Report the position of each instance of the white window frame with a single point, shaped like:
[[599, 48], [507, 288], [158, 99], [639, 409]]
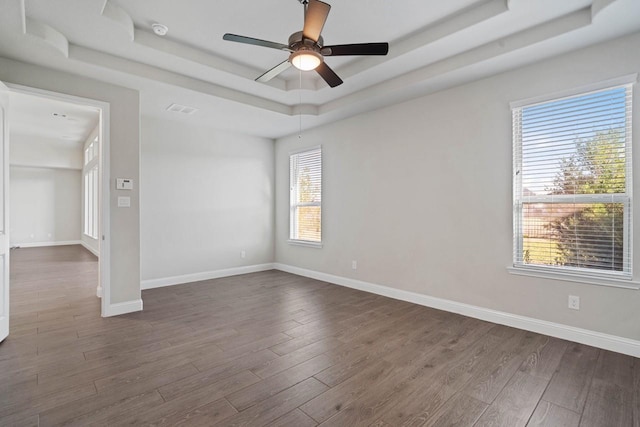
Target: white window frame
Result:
[[293, 197], [622, 279], [91, 188]]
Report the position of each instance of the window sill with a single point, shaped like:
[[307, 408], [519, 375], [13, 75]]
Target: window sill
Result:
[[306, 243], [573, 277]]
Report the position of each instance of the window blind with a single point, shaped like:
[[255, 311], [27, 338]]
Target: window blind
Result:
[[572, 183], [306, 195]]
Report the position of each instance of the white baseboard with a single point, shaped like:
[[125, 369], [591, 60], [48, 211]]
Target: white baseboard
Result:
[[43, 244], [89, 248], [583, 336], [206, 275], [123, 308]]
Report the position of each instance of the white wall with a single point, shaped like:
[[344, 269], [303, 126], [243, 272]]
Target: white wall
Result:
[[420, 195], [44, 206], [124, 142], [206, 196], [45, 191]]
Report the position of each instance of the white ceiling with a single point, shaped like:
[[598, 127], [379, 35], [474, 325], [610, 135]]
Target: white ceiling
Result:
[[434, 44], [51, 121]]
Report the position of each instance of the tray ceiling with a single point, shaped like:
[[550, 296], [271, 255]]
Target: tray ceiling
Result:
[[433, 45]]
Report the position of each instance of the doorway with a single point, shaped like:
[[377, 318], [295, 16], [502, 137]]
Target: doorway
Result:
[[59, 155]]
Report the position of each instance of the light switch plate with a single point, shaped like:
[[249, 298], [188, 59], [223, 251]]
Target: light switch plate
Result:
[[124, 202]]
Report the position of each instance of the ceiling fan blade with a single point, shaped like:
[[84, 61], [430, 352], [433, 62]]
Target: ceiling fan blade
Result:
[[356, 49], [274, 71], [314, 19], [328, 75], [255, 42]]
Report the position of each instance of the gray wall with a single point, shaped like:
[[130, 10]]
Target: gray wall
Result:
[[124, 161], [206, 195], [45, 205], [45, 191], [420, 195]]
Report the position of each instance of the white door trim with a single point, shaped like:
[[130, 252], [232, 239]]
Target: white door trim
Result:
[[4, 210], [104, 287]]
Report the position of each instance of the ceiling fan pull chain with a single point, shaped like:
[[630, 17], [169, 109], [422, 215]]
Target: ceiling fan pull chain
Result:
[[300, 106]]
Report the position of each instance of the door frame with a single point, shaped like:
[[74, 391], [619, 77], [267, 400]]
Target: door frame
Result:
[[5, 314], [104, 260]]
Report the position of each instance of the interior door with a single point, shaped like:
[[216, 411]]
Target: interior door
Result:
[[4, 211]]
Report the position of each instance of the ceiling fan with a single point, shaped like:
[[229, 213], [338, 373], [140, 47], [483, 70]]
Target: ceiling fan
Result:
[[307, 46]]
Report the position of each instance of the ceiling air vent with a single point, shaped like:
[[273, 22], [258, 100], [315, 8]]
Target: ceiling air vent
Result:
[[177, 108]]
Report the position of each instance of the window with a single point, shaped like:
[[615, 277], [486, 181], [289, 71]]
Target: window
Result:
[[91, 152], [305, 171], [572, 184], [90, 173]]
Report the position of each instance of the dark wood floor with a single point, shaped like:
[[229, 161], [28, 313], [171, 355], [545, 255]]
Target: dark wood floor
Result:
[[281, 350]]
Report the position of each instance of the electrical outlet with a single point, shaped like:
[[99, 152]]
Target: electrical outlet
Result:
[[354, 265], [243, 254], [574, 302]]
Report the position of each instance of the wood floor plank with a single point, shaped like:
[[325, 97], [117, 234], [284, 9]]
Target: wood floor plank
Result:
[[608, 405], [487, 384], [400, 382], [212, 375], [331, 402], [207, 415], [37, 402], [636, 393], [542, 362], [170, 412], [96, 410], [550, 415], [264, 389], [25, 418], [351, 360], [460, 410], [429, 395], [463, 331], [419, 406], [296, 357], [570, 384], [145, 382], [295, 418], [516, 402], [229, 352], [615, 368], [276, 406]]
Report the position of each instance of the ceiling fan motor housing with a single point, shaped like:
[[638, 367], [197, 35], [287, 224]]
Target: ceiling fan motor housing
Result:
[[297, 39]]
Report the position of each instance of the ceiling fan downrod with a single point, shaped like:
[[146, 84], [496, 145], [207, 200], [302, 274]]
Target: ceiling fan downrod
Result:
[[305, 4]]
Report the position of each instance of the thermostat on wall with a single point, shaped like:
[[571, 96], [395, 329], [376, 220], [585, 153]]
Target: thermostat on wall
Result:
[[124, 184]]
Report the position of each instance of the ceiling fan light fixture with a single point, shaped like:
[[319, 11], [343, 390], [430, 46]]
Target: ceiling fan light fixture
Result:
[[305, 60]]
